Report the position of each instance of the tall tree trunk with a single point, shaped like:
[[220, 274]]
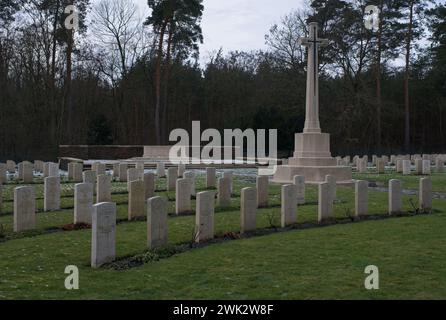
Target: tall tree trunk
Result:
[[158, 83], [166, 86], [378, 82], [406, 80], [67, 92]]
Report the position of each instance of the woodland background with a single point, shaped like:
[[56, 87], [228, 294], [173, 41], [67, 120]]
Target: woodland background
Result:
[[123, 80]]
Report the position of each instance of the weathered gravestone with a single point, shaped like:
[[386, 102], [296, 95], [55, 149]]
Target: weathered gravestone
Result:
[[406, 167], [361, 198], [211, 177], [262, 191], [89, 176], [172, 176], [325, 202], [103, 188], [53, 169], [10, 166], [229, 175], [24, 209], [224, 192], [331, 180], [395, 197], [136, 199], [133, 174], [426, 167], [299, 182], [191, 176], [439, 165], [380, 166], [123, 172], [419, 166], [83, 203], [204, 219], [27, 172], [51, 194], [149, 185], [70, 171], [183, 203], [156, 222], [181, 170], [288, 205], [248, 212], [116, 170], [103, 234], [77, 172], [161, 170]]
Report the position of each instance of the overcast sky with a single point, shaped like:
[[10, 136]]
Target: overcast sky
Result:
[[238, 24]]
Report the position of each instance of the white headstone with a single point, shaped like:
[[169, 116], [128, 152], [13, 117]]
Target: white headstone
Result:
[[103, 235], [325, 203], [191, 176], [183, 203], [331, 180], [89, 176], [262, 183], [123, 172], [248, 209], [172, 176], [103, 188], [230, 176], [395, 197], [288, 205], [24, 209], [181, 170], [160, 170], [149, 185], [116, 170], [211, 177], [53, 169], [299, 182], [134, 174], [361, 198], [83, 203], [51, 194], [439, 165], [136, 199], [204, 219], [10, 165], [406, 167], [27, 175], [224, 192], [156, 222], [77, 172], [426, 167]]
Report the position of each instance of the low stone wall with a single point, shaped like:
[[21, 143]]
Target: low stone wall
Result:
[[86, 152]]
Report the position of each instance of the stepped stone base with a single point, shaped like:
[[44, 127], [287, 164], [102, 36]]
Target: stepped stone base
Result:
[[312, 159]]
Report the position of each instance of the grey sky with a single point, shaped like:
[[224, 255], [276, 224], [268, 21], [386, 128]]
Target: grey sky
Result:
[[239, 24]]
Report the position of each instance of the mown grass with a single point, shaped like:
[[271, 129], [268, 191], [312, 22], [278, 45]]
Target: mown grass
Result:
[[317, 263]]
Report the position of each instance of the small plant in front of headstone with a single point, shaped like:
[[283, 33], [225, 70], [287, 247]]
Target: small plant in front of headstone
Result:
[[347, 212], [415, 207], [272, 220]]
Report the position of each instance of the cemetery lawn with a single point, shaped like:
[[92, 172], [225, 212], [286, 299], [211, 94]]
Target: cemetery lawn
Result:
[[314, 263]]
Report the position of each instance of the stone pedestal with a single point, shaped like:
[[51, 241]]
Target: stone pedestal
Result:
[[312, 159]]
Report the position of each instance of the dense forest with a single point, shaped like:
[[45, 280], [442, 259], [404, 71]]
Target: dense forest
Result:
[[119, 78]]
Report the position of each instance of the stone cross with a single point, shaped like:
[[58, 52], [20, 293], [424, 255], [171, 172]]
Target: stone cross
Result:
[[313, 43]]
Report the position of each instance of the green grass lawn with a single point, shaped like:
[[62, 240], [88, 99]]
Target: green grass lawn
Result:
[[314, 263]]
